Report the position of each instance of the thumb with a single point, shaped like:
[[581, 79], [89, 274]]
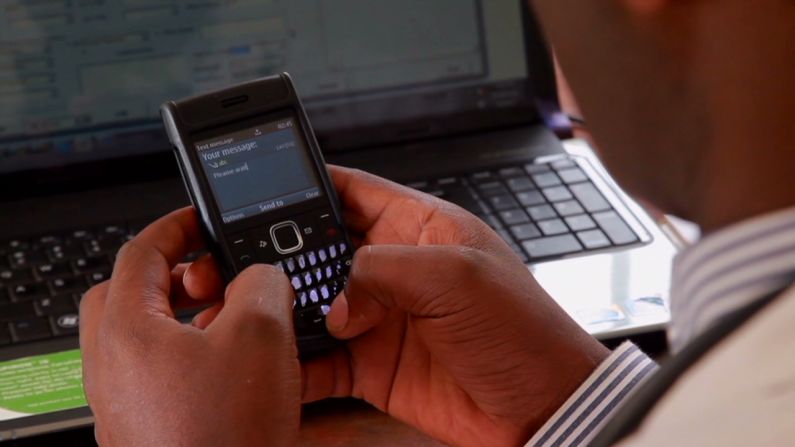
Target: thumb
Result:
[[416, 280], [258, 310]]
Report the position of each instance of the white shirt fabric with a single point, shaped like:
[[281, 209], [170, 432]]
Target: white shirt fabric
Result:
[[724, 272]]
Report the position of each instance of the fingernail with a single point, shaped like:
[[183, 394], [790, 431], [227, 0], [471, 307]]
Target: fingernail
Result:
[[337, 318]]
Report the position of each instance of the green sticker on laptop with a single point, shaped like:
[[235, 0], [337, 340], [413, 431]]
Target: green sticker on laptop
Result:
[[41, 384]]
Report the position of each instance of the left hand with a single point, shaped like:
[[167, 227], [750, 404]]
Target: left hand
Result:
[[151, 380]]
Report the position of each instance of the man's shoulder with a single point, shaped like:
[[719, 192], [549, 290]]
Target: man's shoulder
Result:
[[740, 393]]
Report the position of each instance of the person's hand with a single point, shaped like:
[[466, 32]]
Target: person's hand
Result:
[[446, 328], [152, 381]]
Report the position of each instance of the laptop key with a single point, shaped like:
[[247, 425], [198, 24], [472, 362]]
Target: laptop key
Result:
[[557, 193], [514, 217], [568, 208], [9, 276], [479, 177], [56, 305], [534, 168], [581, 222], [618, 231], [30, 291], [113, 231], [511, 172], [26, 258], [574, 175], [552, 246], [519, 184], [531, 198], [95, 278], [4, 295], [91, 263], [524, 232], [53, 270], [502, 203], [57, 253], [65, 324], [16, 311], [96, 247], [546, 179], [80, 235], [541, 212], [564, 164], [489, 189], [590, 197], [553, 227], [49, 239], [462, 197], [30, 329], [68, 285], [14, 245], [593, 239]]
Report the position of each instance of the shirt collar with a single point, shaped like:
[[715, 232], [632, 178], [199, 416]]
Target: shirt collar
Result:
[[729, 270]]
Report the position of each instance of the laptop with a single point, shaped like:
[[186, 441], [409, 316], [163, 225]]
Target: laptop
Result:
[[451, 97]]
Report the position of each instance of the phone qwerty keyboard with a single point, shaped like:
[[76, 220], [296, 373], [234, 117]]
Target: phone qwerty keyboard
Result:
[[318, 276], [542, 210]]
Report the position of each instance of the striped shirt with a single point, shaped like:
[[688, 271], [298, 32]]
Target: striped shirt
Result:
[[724, 272]]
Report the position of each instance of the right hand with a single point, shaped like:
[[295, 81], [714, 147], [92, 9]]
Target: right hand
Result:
[[446, 328]]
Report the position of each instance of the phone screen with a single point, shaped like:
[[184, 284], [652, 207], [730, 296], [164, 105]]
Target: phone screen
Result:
[[258, 169]]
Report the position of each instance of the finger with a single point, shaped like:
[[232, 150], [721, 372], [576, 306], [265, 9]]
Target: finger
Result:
[[416, 280], [92, 308], [179, 297], [365, 196], [327, 376], [202, 280], [207, 316], [174, 235], [258, 311], [141, 281]]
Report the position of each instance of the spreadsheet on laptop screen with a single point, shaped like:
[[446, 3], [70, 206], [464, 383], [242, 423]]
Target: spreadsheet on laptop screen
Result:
[[74, 75]]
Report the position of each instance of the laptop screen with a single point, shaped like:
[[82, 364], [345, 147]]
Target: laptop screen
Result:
[[82, 81]]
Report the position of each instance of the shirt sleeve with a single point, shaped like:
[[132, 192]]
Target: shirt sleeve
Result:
[[590, 407]]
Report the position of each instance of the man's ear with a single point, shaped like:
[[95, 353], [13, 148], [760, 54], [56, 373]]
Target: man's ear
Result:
[[645, 7]]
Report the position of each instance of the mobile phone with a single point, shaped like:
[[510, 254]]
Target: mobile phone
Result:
[[254, 171]]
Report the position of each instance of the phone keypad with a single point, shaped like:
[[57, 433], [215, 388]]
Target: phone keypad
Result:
[[318, 276]]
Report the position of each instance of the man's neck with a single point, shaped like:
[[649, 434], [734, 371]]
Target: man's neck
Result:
[[749, 173]]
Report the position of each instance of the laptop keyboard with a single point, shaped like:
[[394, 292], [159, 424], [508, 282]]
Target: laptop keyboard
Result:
[[43, 278], [542, 210]]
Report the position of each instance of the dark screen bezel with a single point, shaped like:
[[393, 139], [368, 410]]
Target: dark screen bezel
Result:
[[540, 82]]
